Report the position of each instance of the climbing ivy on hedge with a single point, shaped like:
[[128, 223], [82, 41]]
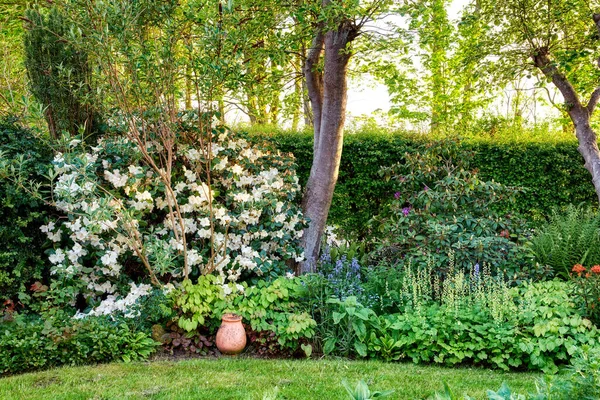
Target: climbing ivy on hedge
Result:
[[551, 172]]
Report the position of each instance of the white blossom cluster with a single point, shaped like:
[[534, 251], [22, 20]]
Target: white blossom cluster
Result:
[[330, 235], [124, 305], [243, 219]]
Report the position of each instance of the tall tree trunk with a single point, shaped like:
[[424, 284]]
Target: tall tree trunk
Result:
[[296, 104], [588, 145], [314, 87], [188, 87], [308, 115], [328, 99], [579, 113], [298, 96], [252, 109], [437, 63]]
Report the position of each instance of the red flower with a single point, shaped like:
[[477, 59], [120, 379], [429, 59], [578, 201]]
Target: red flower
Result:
[[578, 269], [596, 269]]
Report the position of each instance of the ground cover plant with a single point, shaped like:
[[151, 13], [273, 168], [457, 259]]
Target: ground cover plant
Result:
[[474, 318], [33, 342]]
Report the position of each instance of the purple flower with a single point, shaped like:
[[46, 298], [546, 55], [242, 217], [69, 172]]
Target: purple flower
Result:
[[355, 266], [406, 211], [426, 188], [325, 256], [476, 272], [397, 195]]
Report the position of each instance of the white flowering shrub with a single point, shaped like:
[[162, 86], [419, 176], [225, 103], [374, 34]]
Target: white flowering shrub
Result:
[[235, 199], [125, 304]]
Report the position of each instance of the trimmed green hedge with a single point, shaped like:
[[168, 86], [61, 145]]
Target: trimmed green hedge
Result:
[[22, 259], [552, 173]]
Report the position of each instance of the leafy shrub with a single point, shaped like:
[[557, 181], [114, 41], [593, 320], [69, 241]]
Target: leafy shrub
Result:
[[29, 343], [572, 236], [266, 307], [23, 156], [441, 204]]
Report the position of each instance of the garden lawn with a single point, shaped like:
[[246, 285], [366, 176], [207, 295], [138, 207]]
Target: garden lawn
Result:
[[243, 378]]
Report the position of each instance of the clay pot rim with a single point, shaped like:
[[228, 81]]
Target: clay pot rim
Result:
[[231, 317]]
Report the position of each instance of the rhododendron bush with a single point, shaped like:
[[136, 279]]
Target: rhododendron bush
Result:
[[228, 209]]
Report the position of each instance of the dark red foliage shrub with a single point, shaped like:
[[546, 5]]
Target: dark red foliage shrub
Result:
[[198, 342]]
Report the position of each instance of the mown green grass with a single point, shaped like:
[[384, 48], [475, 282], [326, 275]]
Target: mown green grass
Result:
[[228, 378]]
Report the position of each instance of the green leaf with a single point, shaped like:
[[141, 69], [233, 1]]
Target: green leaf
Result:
[[361, 348], [360, 329], [329, 345], [307, 348], [337, 317]]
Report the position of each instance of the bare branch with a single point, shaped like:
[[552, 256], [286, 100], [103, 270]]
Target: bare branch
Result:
[[593, 100], [543, 62]]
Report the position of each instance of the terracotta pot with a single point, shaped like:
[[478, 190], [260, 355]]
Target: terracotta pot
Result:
[[231, 337]]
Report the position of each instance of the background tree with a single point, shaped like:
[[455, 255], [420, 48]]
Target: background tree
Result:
[[431, 66], [335, 26], [559, 41], [59, 74], [430, 19], [13, 79]]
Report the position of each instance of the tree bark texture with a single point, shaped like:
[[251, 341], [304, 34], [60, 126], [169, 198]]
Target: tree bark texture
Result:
[[327, 92]]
